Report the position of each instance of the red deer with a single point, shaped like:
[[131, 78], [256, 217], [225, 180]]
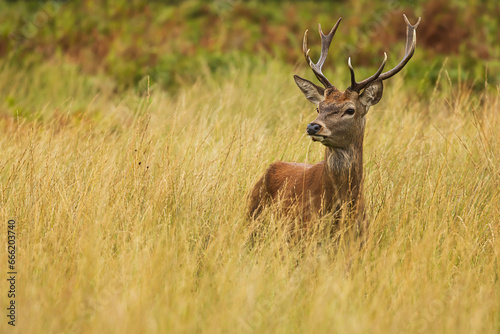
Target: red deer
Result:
[[336, 183]]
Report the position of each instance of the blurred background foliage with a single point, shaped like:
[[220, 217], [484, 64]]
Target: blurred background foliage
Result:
[[170, 43]]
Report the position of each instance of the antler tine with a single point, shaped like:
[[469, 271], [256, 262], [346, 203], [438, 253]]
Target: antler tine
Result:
[[411, 43], [326, 40], [358, 86]]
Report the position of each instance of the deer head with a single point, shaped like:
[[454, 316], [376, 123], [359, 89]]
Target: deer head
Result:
[[341, 115]]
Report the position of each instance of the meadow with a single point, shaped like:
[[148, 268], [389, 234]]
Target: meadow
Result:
[[130, 202]]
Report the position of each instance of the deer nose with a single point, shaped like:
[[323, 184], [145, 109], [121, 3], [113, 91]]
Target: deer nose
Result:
[[313, 128]]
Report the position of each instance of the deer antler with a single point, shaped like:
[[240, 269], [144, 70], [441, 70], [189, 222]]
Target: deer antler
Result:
[[325, 45], [411, 43]]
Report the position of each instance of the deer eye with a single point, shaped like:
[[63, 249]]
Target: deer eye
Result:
[[317, 110], [349, 112]]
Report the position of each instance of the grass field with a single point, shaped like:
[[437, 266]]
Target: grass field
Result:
[[130, 208]]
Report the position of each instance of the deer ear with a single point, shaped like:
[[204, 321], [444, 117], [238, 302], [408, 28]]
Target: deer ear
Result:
[[372, 93], [313, 93]]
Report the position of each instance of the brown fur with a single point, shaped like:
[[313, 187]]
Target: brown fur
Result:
[[310, 191]]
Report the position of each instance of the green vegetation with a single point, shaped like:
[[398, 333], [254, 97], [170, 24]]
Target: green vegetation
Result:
[[132, 134], [128, 40]]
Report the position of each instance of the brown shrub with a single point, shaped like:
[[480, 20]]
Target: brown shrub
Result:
[[442, 32]]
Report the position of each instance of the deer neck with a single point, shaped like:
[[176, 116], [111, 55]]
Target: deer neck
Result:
[[343, 172]]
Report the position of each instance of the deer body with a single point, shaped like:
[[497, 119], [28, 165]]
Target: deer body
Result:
[[336, 183], [312, 190]]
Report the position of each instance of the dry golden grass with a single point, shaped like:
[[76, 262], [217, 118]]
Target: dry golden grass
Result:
[[131, 212]]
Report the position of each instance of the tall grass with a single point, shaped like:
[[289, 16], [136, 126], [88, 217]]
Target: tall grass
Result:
[[131, 209]]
